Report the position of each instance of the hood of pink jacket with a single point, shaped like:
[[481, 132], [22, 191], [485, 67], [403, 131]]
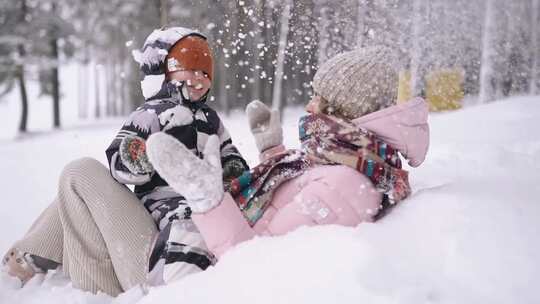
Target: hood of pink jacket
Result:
[[404, 126]]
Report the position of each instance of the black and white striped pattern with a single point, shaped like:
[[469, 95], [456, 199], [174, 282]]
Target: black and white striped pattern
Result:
[[191, 123], [180, 246]]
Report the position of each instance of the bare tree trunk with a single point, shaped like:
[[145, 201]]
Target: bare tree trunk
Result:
[[486, 69], [533, 85], [164, 12], [232, 75], [135, 96], [97, 97], [224, 76], [324, 41], [24, 96], [21, 79], [114, 93], [243, 57], [312, 62], [361, 22], [110, 86], [282, 47], [123, 86], [416, 53], [118, 79], [55, 75], [107, 87], [56, 88], [82, 89], [510, 33], [258, 63], [221, 82], [270, 52]]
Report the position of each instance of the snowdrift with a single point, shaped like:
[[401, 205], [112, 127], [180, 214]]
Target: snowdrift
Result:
[[468, 234]]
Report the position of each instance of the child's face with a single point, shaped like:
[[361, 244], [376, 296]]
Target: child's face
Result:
[[197, 82]]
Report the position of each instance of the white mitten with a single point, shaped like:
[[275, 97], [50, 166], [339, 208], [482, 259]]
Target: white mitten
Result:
[[265, 125], [198, 180]]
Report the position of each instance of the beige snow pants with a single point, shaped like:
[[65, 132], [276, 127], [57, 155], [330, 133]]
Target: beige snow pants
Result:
[[96, 228]]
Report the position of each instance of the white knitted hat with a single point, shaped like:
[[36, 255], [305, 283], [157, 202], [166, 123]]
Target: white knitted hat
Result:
[[358, 82]]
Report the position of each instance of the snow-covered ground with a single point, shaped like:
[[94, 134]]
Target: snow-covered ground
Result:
[[468, 234]]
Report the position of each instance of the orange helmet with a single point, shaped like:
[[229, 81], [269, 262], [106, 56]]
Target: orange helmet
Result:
[[190, 53]]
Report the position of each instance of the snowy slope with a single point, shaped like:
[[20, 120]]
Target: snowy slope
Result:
[[469, 233]]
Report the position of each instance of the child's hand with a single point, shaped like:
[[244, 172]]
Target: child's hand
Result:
[[232, 169], [133, 155]]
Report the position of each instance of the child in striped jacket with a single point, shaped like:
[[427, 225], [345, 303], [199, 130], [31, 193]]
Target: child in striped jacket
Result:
[[177, 64]]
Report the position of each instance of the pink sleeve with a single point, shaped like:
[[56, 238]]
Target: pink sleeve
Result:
[[223, 227], [266, 154]]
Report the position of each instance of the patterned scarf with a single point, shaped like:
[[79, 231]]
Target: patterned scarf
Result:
[[327, 141]]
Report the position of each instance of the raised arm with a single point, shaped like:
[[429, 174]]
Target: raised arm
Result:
[[265, 125], [126, 154]]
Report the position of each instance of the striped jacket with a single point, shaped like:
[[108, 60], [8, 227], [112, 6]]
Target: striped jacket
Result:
[[179, 249], [192, 124]]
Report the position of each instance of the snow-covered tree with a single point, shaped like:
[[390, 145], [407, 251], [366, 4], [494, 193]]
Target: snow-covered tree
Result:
[[494, 42], [13, 51]]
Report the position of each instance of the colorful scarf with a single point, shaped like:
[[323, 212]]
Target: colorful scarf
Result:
[[328, 141]]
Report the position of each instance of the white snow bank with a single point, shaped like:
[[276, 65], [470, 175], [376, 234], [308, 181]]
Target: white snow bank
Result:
[[467, 235]]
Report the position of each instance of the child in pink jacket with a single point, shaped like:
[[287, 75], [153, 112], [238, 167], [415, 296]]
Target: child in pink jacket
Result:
[[347, 172]]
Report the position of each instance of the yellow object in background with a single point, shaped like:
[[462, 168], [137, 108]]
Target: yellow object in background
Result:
[[404, 87], [444, 89]]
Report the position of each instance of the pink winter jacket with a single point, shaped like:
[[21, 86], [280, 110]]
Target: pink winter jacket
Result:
[[324, 194]]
